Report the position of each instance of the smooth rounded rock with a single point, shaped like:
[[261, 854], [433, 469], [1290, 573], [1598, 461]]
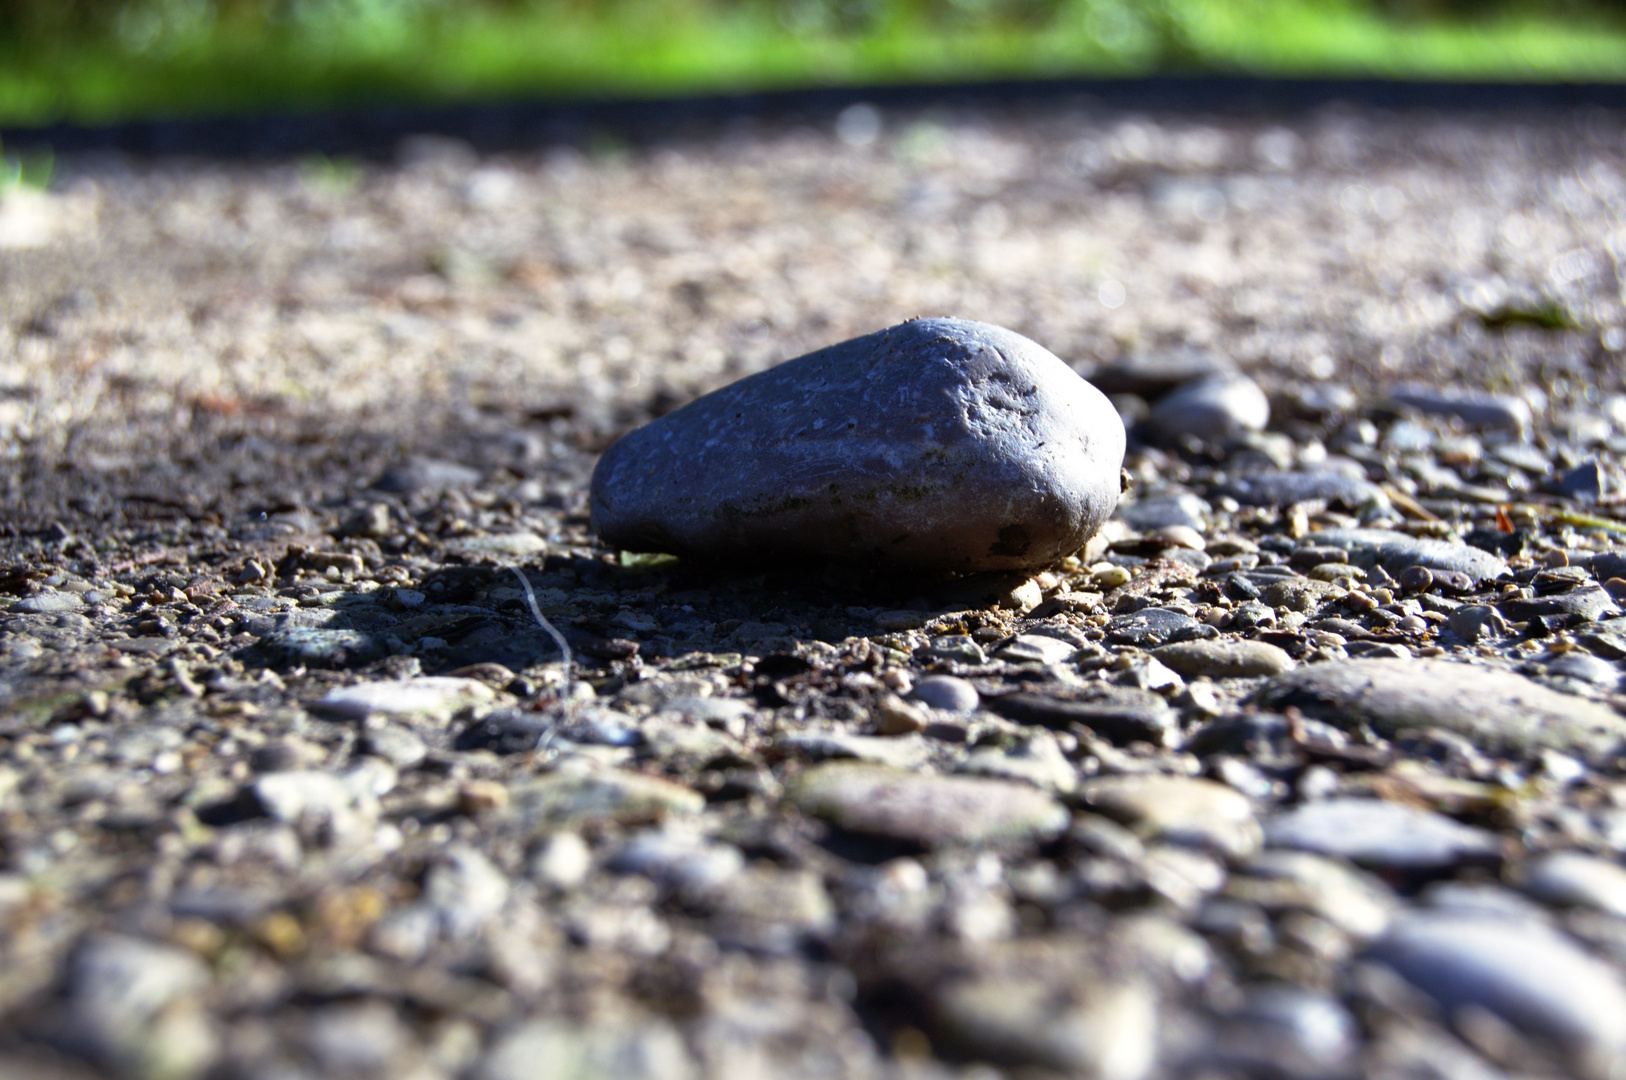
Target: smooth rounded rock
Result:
[[1583, 666], [1382, 834], [1498, 710], [928, 810], [938, 444], [1214, 407], [1528, 976], [1179, 809], [1288, 1031], [1575, 879], [423, 695], [1221, 659], [947, 693]]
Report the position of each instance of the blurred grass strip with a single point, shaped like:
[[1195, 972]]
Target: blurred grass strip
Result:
[[102, 60]]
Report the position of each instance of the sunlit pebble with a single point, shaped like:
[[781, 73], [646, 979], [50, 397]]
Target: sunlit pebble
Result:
[[1416, 579], [1182, 536]]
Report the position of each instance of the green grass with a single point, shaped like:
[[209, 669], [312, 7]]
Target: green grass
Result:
[[345, 52]]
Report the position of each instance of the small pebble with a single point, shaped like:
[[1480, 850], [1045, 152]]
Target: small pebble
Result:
[[1214, 407], [947, 693]]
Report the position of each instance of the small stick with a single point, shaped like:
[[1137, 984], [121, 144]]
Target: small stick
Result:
[[1410, 505]]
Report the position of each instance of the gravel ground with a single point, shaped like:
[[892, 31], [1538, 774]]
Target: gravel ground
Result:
[[293, 784]]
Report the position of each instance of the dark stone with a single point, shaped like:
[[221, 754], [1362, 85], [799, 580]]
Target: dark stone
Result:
[[1121, 715], [937, 444], [1156, 626], [1584, 483], [317, 647], [1152, 375], [1485, 411], [1608, 564], [1586, 604], [1506, 544], [505, 731]]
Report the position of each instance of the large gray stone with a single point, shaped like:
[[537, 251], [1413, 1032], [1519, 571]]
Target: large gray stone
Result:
[[1522, 973], [1498, 710], [938, 444]]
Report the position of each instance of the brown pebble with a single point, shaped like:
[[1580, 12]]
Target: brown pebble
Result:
[[476, 797]]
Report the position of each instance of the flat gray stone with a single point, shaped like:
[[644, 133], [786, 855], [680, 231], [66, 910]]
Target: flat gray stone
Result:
[[49, 603], [607, 795], [320, 647], [1216, 406], [1381, 834], [1395, 551], [1219, 659], [1608, 564], [1485, 411], [1531, 977], [1036, 649], [1575, 879], [939, 443], [1119, 714], [928, 810], [1288, 487], [1179, 809], [722, 712], [1588, 602], [1155, 626], [1475, 621], [1583, 666], [436, 696], [1498, 710]]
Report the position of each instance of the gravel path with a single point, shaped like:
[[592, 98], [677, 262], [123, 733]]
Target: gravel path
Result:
[[293, 785]]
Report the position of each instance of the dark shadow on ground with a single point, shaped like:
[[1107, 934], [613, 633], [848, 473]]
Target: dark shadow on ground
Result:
[[527, 125]]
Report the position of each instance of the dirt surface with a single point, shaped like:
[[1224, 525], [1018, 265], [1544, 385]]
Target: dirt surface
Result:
[[269, 432]]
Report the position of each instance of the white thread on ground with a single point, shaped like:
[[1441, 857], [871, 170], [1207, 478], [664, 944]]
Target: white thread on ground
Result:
[[558, 638]]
